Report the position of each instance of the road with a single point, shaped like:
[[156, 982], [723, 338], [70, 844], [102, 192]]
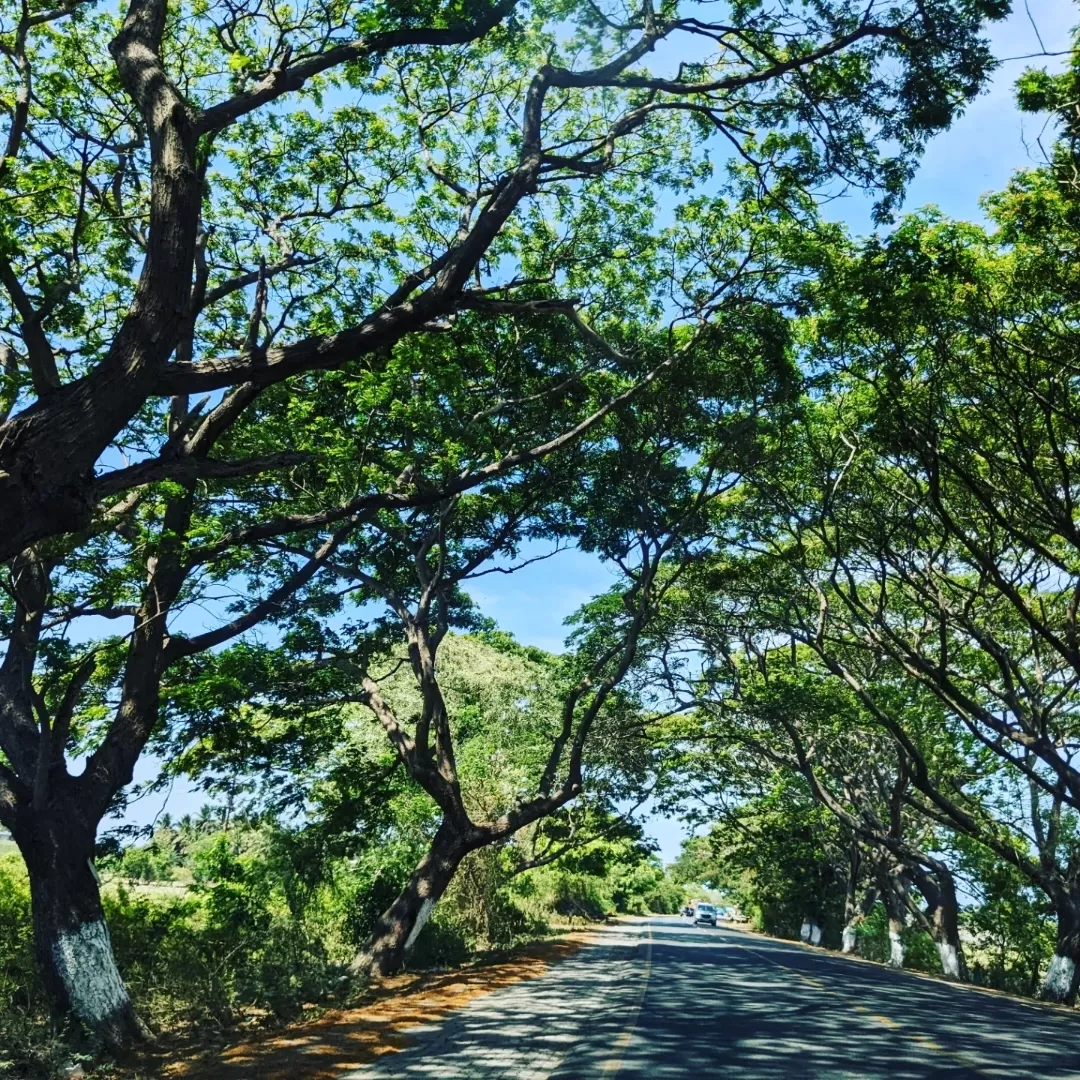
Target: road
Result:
[[659, 998]]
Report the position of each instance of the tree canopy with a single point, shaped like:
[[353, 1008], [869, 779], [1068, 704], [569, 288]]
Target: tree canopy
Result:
[[314, 316]]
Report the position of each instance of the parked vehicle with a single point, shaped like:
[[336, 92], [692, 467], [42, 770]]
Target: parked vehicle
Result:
[[688, 910]]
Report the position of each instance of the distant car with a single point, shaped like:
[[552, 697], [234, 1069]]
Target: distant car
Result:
[[688, 910], [723, 913], [705, 914]]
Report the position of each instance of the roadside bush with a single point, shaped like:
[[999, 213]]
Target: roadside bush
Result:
[[18, 975], [576, 895], [211, 927], [645, 889]]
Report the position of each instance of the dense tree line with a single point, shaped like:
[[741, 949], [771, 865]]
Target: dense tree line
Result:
[[887, 633]]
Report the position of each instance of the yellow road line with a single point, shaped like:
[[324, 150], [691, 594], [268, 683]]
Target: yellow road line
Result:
[[886, 1021], [614, 1063]]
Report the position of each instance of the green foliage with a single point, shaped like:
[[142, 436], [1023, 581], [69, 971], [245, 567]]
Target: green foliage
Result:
[[311, 212], [16, 960], [234, 925], [780, 856], [1011, 923], [920, 953], [232, 940], [619, 875], [28, 1044]]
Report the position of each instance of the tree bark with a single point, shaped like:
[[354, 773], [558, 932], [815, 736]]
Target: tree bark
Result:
[[945, 925], [399, 926], [896, 944], [855, 915], [1060, 981], [893, 896], [71, 941]]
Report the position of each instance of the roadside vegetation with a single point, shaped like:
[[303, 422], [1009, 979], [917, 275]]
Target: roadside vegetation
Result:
[[316, 316], [881, 672], [228, 923]]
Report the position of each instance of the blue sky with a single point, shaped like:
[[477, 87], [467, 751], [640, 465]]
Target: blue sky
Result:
[[976, 156]]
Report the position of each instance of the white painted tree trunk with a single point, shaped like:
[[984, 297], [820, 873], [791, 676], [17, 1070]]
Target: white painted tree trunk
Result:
[[1058, 981], [810, 932], [397, 929], [896, 948], [71, 940], [83, 959], [848, 940], [426, 908], [950, 959]]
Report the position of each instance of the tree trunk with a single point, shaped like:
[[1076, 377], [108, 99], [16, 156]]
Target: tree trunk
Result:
[[856, 914], [399, 926], [811, 931], [893, 896], [946, 925], [71, 941], [896, 944], [849, 940], [1060, 981]]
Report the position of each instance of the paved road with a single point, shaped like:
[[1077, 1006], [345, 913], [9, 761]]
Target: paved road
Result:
[[660, 999]]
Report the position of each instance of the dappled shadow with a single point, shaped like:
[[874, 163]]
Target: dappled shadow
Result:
[[342, 1041], [671, 1001], [740, 1006], [526, 1031]]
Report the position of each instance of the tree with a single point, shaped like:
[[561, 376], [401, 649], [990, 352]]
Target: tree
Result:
[[896, 548], [181, 547], [646, 525], [947, 517], [783, 857], [795, 718]]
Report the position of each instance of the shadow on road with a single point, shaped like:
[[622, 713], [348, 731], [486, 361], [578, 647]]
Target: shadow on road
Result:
[[665, 1000], [733, 1005]]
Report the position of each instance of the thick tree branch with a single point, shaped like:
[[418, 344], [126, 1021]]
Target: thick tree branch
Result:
[[186, 469], [187, 646]]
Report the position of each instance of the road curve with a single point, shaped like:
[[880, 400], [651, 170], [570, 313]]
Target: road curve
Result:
[[660, 999]]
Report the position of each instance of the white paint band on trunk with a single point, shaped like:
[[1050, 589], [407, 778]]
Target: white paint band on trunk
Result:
[[847, 942], [950, 959], [1059, 978], [804, 932], [896, 949], [421, 921], [84, 961], [815, 934]]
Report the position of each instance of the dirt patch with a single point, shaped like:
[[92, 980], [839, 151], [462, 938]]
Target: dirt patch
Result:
[[346, 1039]]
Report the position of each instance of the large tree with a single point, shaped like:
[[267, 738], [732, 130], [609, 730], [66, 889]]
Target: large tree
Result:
[[637, 494], [944, 531]]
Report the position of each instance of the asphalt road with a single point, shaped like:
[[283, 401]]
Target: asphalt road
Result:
[[659, 998]]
